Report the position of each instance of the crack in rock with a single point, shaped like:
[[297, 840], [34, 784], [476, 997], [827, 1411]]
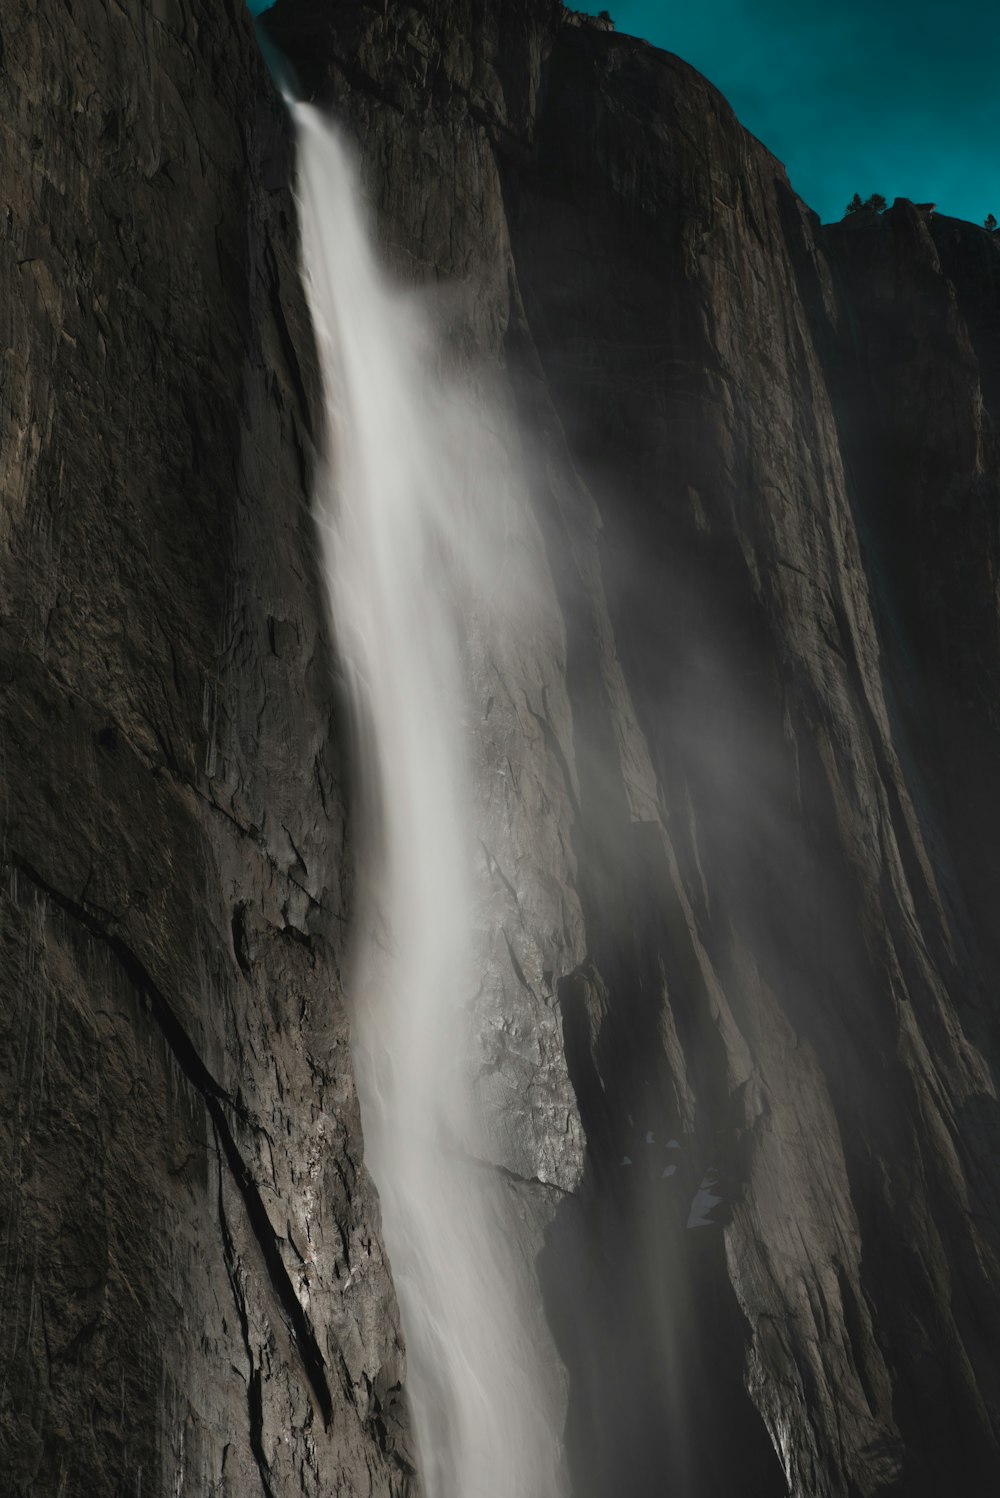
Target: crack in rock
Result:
[[215, 1097]]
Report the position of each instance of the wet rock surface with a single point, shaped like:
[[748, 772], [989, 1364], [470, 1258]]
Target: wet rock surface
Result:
[[765, 477]]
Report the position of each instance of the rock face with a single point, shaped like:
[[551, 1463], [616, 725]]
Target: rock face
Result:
[[194, 1296], [741, 1037], [766, 477]]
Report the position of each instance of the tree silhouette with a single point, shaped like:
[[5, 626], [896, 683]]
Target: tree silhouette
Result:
[[990, 222], [876, 203]]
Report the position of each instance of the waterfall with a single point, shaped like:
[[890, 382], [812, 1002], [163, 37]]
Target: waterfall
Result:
[[394, 521]]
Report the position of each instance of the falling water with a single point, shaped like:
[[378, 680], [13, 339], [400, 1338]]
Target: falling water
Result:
[[393, 516]]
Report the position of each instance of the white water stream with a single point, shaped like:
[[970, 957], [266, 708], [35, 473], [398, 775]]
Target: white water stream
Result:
[[394, 519]]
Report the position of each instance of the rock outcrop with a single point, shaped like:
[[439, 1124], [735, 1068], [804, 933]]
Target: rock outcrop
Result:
[[739, 1024]]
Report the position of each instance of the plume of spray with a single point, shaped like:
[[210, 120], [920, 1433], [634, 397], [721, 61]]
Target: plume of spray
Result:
[[394, 521]]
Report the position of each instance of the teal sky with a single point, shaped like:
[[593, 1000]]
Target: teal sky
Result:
[[853, 95]]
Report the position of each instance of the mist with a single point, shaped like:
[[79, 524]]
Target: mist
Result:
[[653, 751], [500, 820], [423, 565]]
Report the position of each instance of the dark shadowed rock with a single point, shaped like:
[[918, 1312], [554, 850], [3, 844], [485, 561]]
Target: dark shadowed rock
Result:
[[194, 1294], [738, 936], [766, 479]]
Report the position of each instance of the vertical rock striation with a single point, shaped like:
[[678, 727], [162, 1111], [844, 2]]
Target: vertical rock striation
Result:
[[194, 1298]]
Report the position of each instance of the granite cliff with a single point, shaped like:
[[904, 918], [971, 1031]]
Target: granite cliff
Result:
[[740, 876], [194, 1297]]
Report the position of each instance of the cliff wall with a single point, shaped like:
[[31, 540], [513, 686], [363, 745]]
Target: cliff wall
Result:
[[194, 1298], [738, 929], [766, 478]]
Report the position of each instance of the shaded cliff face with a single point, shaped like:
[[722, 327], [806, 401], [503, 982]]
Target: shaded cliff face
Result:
[[765, 474], [194, 1294], [740, 871]]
